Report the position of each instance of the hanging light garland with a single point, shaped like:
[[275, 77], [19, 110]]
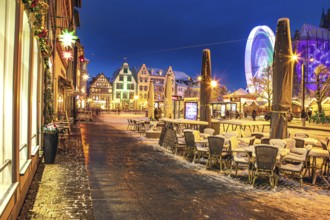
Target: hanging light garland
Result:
[[67, 38]]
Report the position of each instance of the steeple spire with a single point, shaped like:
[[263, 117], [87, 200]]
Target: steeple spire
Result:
[[325, 19]]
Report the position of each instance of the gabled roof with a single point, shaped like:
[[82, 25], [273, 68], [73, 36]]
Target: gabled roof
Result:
[[94, 79], [116, 73]]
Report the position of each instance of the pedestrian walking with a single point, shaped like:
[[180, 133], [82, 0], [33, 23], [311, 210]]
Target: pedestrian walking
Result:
[[309, 112], [303, 117], [254, 115]]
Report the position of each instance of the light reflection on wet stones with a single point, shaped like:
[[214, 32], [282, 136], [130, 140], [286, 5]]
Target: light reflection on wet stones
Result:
[[60, 190]]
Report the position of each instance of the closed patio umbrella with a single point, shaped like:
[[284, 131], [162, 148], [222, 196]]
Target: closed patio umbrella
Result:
[[282, 80], [168, 104], [151, 100], [205, 89]]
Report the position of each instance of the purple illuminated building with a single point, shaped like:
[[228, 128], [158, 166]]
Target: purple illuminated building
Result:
[[312, 45]]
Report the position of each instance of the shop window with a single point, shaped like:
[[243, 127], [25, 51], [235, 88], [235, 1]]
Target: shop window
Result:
[[118, 95], [125, 95], [34, 99], [131, 95], [7, 33], [24, 92]]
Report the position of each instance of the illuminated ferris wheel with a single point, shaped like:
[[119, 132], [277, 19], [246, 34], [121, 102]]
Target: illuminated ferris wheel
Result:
[[258, 52]]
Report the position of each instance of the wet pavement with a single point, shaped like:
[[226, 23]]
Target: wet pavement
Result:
[[60, 190], [113, 173], [131, 177]]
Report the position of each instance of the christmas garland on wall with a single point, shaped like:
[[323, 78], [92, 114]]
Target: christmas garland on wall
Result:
[[37, 11]]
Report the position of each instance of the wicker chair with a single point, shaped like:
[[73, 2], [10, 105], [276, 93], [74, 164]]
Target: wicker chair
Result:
[[326, 162], [279, 143], [300, 143], [190, 144], [265, 140], [130, 125], [216, 145], [294, 163], [265, 162], [172, 141], [258, 135], [240, 159], [209, 131]]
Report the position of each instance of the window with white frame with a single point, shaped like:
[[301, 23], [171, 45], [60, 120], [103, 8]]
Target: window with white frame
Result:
[[24, 91], [7, 33], [34, 98]]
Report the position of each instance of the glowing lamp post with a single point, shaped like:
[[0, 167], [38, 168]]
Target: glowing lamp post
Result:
[[214, 83]]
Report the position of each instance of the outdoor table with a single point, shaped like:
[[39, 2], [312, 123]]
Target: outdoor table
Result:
[[312, 141], [242, 124], [193, 124], [321, 154]]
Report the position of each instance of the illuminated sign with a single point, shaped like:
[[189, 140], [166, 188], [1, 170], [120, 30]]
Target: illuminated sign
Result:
[[191, 110]]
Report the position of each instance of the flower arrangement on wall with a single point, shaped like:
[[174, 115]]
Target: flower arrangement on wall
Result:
[[37, 11]]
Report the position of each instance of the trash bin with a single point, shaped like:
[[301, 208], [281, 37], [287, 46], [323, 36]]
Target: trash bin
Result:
[[50, 147]]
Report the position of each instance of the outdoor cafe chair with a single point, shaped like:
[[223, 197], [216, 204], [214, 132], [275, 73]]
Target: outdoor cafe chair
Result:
[[265, 162], [216, 145], [294, 164], [300, 142], [258, 136], [190, 144], [264, 140], [209, 131], [130, 124], [279, 143], [240, 159], [326, 162], [290, 143], [171, 141]]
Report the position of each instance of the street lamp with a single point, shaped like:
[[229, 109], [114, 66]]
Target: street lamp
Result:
[[135, 100], [213, 83]]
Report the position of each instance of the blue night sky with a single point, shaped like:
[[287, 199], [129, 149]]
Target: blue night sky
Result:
[[165, 33]]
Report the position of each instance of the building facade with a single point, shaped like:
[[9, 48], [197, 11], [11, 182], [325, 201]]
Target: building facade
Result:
[[124, 88], [33, 79], [100, 93]]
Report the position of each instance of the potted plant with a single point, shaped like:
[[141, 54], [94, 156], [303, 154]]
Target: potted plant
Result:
[[50, 131]]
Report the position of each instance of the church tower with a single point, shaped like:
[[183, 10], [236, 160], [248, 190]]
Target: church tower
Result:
[[325, 20]]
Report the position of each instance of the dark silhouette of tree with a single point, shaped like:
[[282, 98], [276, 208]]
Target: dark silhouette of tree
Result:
[[321, 74], [263, 85], [218, 92]]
